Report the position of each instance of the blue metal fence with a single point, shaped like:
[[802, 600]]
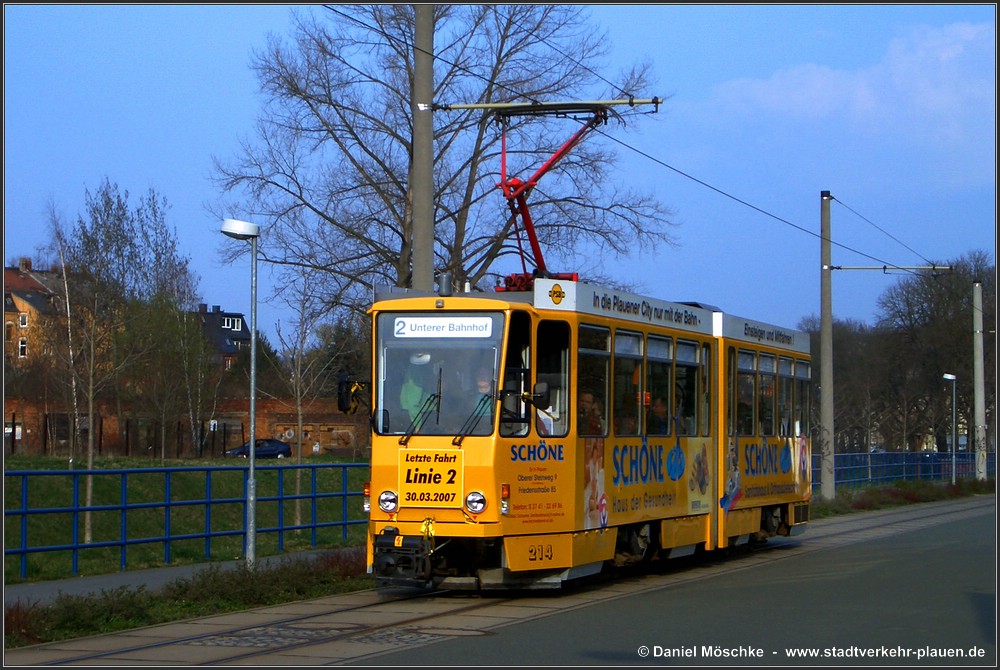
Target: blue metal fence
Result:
[[113, 498], [862, 470], [851, 471]]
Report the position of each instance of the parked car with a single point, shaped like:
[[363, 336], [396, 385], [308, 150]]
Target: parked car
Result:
[[267, 447]]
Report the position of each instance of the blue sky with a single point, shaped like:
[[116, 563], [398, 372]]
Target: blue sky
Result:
[[891, 108]]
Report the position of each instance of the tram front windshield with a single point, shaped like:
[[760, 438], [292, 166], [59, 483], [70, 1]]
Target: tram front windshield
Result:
[[437, 372]]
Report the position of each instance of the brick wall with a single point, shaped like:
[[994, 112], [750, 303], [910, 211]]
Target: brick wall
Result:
[[325, 430]]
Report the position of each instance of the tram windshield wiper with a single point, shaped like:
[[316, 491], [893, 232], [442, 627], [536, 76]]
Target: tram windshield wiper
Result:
[[431, 404], [473, 420]]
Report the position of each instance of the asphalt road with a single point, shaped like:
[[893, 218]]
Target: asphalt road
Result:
[[903, 587], [929, 591]]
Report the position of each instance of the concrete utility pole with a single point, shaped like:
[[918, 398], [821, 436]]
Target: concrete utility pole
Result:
[[828, 488], [979, 429], [422, 173]]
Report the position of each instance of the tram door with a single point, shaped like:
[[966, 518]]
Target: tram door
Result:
[[520, 381]]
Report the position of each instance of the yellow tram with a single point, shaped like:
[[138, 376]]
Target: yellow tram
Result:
[[522, 438]]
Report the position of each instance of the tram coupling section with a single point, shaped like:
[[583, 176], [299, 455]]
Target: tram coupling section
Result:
[[401, 560]]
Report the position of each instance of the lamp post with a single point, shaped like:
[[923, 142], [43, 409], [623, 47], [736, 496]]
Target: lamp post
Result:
[[954, 423], [241, 230]]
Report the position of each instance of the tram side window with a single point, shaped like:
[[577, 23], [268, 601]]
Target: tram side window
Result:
[[514, 416], [746, 392], [765, 411], [803, 398], [593, 363], [686, 388], [785, 383], [705, 392], [731, 391], [553, 369], [659, 377], [627, 382]]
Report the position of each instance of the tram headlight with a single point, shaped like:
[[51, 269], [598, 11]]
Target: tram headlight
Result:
[[388, 501], [475, 502]]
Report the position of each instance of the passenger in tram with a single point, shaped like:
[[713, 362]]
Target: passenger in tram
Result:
[[627, 416], [658, 421], [482, 401], [590, 410], [412, 393], [484, 381], [685, 416], [627, 425], [544, 420]]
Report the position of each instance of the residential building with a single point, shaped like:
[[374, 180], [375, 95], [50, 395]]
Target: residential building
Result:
[[227, 333], [28, 301]]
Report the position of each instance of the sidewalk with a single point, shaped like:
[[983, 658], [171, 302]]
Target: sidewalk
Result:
[[152, 579]]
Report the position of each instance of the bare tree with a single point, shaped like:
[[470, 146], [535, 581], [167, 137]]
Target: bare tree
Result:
[[888, 376], [201, 374], [306, 370], [931, 314], [115, 261], [330, 167]]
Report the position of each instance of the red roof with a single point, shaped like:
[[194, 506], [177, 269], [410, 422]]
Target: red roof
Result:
[[21, 282]]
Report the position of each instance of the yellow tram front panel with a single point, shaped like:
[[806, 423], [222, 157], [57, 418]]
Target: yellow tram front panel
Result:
[[432, 478]]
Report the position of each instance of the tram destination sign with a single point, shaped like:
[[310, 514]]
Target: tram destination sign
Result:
[[442, 326], [748, 330]]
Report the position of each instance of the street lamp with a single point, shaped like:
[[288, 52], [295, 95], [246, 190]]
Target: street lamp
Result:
[[241, 230], [954, 423]]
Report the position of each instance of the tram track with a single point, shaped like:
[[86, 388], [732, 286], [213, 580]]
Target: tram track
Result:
[[337, 621], [363, 625]]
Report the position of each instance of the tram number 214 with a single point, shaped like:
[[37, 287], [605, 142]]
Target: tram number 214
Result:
[[540, 552]]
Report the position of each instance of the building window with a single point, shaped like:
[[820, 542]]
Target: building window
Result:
[[22, 348], [24, 320], [232, 323]]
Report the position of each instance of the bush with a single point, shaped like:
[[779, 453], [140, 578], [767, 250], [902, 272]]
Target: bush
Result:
[[902, 492]]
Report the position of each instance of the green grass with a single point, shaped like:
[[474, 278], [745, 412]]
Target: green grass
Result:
[[216, 590]]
